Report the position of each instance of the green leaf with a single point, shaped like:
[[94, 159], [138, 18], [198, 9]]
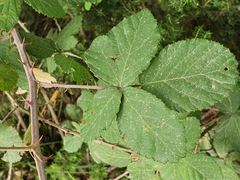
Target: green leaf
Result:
[[200, 166], [228, 172], [87, 5], [191, 75], [192, 132], [49, 8], [85, 100], [69, 65], [143, 169], [104, 108], [37, 46], [10, 56], [170, 171], [230, 104], [10, 11], [109, 155], [113, 135], [72, 143], [233, 156], [222, 147], [66, 39], [151, 129], [120, 56], [51, 65], [228, 129], [11, 156], [9, 137], [8, 78], [73, 111]]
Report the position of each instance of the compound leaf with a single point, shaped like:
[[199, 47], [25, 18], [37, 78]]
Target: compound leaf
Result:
[[151, 129], [191, 75], [120, 56], [10, 11], [49, 8], [109, 155], [103, 111], [9, 137]]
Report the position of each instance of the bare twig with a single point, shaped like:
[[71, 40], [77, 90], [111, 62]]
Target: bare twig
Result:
[[54, 116], [23, 26], [9, 113], [32, 103], [99, 141], [64, 129], [122, 175], [16, 111], [10, 171]]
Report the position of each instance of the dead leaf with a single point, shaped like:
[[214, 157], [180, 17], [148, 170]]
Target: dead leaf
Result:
[[42, 76]]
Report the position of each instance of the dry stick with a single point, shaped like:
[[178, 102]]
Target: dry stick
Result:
[[32, 103], [54, 116]]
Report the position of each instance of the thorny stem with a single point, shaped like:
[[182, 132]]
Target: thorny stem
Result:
[[14, 148], [32, 103]]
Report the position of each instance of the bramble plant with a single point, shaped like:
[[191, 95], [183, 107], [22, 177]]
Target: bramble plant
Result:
[[142, 112]]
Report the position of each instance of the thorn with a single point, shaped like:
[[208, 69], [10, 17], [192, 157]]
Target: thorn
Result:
[[45, 158], [39, 140], [27, 101], [23, 43], [65, 90], [22, 62]]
